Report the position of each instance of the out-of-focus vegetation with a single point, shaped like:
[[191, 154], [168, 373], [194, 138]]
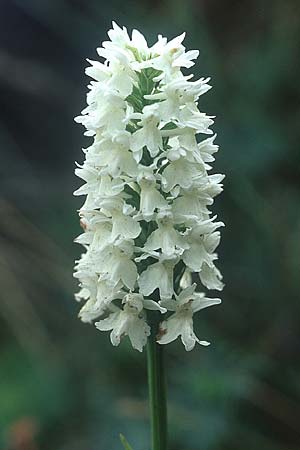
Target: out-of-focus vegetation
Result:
[[62, 385]]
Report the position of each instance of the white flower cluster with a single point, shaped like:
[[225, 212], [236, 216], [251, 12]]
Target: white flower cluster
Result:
[[146, 221]]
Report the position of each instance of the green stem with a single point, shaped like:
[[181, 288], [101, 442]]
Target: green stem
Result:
[[157, 393]]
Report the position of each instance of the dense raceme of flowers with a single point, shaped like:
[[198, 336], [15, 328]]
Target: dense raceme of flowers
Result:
[[147, 227]]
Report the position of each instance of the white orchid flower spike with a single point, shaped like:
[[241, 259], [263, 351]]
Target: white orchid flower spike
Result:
[[146, 219]]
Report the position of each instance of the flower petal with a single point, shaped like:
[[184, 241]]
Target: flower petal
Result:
[[153, 306]]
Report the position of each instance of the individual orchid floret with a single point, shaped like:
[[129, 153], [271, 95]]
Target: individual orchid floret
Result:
[[113, 157], [148, 132], [115, 264], [181, 173], [168, 57], [147, 225], [130, 321], [151, 198], [166, 237], [123, 224], [181, 322], [158, 276], [97, 305], [176, 94], [201, 247]]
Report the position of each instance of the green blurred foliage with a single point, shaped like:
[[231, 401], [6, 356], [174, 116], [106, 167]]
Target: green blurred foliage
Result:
[[63, 376]]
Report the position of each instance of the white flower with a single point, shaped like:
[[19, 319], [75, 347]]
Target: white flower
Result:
[[158, 276], [211, 277], [201, 249], [97, 236], [150, 197], [188, 206], [114, 158], [191, 117], [166, 237], [98, 188], [106, 109], [182, 173], [96, 306], [123, 224], [170, 56], [129, 321], [207, 148], [148, 135], [115, 264], [178, 93], [181, 322], [146, 219], [183, 146], [116, 76]]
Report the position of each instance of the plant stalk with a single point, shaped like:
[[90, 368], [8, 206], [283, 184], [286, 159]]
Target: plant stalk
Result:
[[157, 393]]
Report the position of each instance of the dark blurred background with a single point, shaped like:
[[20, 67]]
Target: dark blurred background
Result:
[[62, 385]]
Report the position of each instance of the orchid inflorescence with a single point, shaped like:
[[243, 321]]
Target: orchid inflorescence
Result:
[[147, 227]]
